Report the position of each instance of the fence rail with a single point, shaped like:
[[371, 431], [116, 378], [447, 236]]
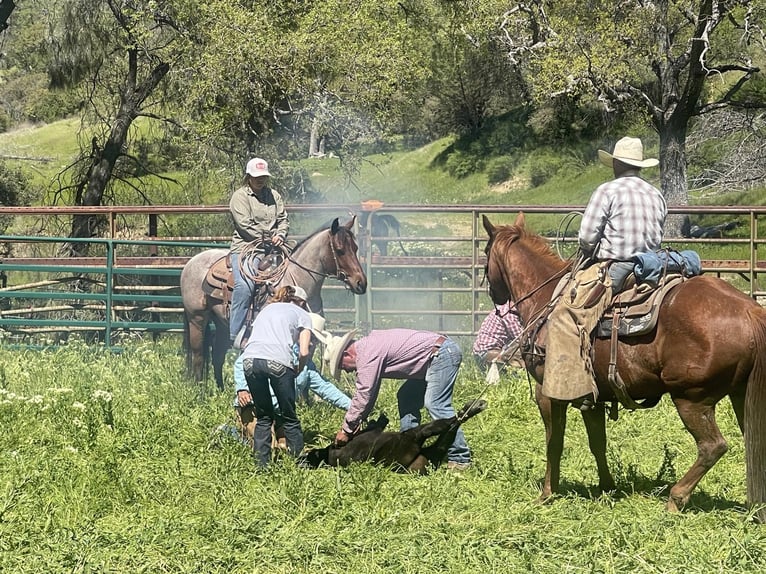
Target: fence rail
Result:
[[430, 277]]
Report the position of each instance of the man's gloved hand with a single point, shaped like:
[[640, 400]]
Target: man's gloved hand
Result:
[[341, 438]]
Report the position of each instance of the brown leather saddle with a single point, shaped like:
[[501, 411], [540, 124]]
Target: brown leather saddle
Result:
[[219, 281], [634, 310]]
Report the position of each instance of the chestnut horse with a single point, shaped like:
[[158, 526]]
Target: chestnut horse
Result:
[[709, 342], [328, 252]]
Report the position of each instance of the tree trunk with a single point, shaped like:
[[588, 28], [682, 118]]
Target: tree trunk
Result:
[[104, 160], [314, 139], [673, 174]]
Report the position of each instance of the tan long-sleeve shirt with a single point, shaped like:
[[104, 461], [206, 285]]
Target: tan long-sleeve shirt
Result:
[[253, 216]]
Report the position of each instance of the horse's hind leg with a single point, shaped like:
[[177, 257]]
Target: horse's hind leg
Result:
[[195, 351], [554, 417], [595, 427], [700, 421]]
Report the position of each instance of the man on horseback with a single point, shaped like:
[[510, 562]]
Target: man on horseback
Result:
[[260, 222], [624, 218]]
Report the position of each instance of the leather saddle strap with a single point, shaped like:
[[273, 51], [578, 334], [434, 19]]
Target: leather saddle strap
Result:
[[615, 381]]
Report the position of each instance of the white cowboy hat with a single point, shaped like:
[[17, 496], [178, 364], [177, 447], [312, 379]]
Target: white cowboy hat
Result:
[[257, 167], [333, 351], [300, 292], [629, 151], [317, 327]]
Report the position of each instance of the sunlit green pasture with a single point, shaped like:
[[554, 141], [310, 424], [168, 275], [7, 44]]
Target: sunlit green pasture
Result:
[[109, 463]]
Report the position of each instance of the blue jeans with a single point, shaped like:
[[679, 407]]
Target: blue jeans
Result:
[[263, 378], [435, 394], [242, 296]]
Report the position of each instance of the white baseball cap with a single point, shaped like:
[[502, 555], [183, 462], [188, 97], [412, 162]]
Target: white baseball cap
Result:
[[257, 167]]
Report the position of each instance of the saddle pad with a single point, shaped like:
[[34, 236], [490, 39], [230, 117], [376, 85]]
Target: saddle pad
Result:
[[638, 309]]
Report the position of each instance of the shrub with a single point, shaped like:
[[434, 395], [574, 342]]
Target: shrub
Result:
[[499, 169], [463, 163], [543, 166]]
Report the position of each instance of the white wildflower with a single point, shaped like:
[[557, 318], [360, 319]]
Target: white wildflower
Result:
[[70, 448], [78, 405], [35, 400], [105, 396]]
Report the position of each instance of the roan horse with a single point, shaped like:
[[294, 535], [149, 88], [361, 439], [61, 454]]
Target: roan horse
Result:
[[709, 342], [328, 252]]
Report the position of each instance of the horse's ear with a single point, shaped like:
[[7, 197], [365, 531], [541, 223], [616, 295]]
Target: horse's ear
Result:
[[488, 226], [520, 220], [350, 224], [334, 226]]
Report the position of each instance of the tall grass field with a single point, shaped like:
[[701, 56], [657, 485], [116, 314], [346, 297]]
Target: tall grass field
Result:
[[111, 463]]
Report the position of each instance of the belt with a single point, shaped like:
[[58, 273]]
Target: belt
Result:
[[437, 345]]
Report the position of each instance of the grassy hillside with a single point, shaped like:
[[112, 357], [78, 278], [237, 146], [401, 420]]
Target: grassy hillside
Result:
[[403, 177]]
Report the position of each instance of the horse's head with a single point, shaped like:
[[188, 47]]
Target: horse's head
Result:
[[344, 249], [520, 264], [494, 270]]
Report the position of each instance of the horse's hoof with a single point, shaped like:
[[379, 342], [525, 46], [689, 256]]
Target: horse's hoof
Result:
[[607, 487], [673, 506], [544, 499]]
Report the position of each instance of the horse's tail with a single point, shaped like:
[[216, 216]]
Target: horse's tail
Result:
[[755, 419], [207, 349]]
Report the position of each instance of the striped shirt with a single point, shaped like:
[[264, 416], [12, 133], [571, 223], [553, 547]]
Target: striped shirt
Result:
[[624, 217], [389, 354], [498, 329]]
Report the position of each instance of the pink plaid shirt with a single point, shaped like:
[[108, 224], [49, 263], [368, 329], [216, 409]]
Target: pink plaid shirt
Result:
[[498, 329], [386, 354]]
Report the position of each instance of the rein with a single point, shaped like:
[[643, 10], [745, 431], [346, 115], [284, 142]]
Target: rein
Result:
[[340, 275]]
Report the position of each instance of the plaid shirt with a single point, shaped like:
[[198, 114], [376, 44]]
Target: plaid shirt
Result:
[[623, 218], [498, 329], [386, 354]]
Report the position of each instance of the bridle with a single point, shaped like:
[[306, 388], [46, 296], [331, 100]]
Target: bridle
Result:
[[555, 277], [339, 274]]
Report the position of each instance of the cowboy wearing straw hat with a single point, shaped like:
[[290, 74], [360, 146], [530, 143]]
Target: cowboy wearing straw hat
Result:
[[428, 362], [624, 218]]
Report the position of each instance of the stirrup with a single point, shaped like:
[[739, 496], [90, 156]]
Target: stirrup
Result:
[[584, 403]]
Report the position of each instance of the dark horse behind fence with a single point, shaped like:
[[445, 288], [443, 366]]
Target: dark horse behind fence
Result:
[[328, 252], [709, 342]]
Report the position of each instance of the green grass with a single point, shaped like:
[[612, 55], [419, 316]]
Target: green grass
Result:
[[107, 465]]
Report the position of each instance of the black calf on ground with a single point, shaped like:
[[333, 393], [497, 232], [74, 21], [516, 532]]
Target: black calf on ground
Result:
[[402, 451]]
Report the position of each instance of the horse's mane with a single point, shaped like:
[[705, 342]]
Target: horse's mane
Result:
[[538, 245], [318, 231]]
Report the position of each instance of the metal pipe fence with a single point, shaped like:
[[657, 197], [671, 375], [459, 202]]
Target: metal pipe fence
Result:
[[428, 275]]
